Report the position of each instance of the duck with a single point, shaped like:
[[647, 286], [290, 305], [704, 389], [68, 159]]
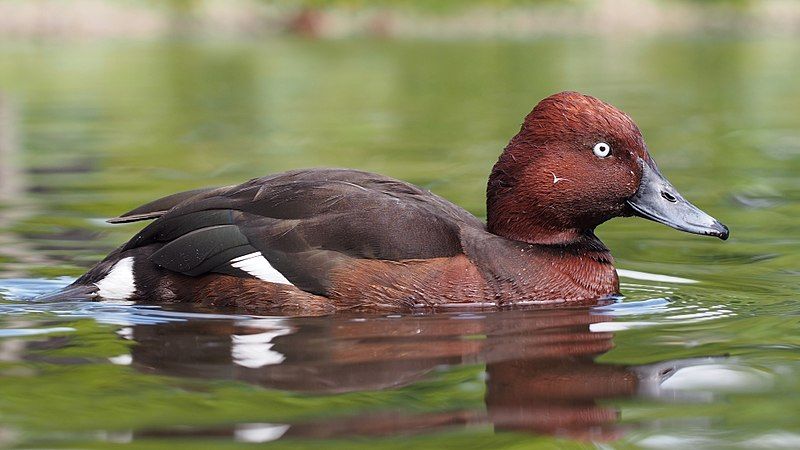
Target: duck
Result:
[[323, 240]]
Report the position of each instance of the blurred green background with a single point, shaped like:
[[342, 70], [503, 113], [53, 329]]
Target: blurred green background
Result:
[[107, 105]]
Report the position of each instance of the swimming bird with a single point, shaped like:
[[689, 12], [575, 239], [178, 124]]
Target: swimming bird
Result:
[[316, 241]]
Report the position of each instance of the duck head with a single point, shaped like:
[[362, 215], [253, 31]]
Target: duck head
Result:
[[577, 162]]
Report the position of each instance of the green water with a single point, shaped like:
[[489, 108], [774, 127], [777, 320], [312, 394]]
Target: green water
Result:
[[708, 358]]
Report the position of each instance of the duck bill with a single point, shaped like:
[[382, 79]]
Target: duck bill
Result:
[[657, 200]]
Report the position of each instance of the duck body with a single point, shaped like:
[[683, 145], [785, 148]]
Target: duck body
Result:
[[323, 240]]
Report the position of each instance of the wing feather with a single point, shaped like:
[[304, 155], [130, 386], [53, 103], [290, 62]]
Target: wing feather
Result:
[[157, 208]]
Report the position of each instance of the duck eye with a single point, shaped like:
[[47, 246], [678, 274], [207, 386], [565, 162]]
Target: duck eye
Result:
[[601, 149]]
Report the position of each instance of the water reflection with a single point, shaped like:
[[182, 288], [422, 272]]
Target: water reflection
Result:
[[541, 370]]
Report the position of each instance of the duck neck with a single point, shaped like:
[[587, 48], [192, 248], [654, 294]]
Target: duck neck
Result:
[[523, 228], [576, 239]]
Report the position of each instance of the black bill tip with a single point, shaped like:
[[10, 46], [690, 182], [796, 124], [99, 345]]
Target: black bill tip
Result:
[[720, 230]]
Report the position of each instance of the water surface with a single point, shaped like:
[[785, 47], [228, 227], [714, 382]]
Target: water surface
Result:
[[703, 350]]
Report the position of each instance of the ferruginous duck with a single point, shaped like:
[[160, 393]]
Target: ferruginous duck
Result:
[[322, 240]]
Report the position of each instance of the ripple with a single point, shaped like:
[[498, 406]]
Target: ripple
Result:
[[642, 307], [22, 332], [757, 201], [646, 276], [20, 292], [776, 439], [608, 327], [28, 288]]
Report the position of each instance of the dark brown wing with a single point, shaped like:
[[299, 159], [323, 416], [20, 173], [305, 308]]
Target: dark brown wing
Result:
[[305, 224], [157, 208]]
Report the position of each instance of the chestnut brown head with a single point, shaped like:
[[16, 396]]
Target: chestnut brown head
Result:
[[576, 163]]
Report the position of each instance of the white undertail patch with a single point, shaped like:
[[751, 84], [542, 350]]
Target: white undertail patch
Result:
[[119, 284], [256, 265]]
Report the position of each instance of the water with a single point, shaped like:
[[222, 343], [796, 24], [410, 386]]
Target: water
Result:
[[703, 351]]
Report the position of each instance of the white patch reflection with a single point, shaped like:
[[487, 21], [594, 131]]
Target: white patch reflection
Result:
[[122, 360], [255, 350], [259, 432]]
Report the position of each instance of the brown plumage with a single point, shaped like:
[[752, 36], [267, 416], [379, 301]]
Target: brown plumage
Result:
[[321, 240]]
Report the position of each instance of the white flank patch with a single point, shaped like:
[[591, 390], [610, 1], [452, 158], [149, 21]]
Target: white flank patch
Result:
[[256, 265], [119, 284]]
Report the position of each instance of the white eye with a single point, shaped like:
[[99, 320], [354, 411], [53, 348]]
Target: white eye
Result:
[[602, 149]]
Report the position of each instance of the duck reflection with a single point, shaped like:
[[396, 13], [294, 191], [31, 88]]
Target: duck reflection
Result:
[[541, 368]]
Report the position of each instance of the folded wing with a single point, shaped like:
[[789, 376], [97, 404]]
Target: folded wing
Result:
[[298, 227]]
